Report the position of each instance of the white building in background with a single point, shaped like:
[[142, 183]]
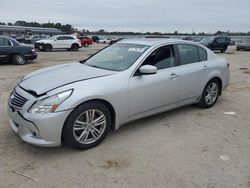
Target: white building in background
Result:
[[21, 30]]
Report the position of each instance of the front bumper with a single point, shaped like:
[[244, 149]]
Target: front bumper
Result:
[[37, 129], [39, 46]]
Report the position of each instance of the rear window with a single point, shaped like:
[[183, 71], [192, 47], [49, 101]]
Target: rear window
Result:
[[4, 42], [188, 54], [202, 54]]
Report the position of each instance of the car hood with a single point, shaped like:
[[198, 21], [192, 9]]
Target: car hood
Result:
[[47, 79], [43, 41]]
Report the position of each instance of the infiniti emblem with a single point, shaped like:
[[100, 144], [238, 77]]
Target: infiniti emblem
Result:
[[12, 97]]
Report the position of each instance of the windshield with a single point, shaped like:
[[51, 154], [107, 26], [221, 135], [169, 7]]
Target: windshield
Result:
[[117, 57], [53, 37]]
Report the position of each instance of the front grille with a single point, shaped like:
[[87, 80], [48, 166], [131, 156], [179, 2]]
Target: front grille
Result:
[[17, 100]]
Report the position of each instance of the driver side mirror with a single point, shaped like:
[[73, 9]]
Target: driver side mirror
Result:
[[148, 69]]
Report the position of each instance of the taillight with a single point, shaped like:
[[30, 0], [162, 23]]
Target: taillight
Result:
[[228, 65]]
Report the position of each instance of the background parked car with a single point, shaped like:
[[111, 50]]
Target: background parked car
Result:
[[85, 41], [12, 51], [58, 42], [33, 38], [216, 43], [95, 39], [115, 40], [243, 45], [105, 41], [21, 39]]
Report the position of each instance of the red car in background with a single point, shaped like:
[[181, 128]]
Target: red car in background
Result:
[[85, 41]]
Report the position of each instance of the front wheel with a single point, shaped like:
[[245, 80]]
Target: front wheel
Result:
[[210, 94], [87, 125], [47, 48], [18, 59]]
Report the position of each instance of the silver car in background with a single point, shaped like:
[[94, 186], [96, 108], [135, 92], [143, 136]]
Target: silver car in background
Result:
[[243, 45], [79, 103]]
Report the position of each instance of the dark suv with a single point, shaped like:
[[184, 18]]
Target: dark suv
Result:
[[216, 43]]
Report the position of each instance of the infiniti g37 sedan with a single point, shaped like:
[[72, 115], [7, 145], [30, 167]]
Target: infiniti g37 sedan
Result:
[[79, 103]]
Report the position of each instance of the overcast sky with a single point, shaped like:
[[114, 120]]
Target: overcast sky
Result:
[[134, 15]]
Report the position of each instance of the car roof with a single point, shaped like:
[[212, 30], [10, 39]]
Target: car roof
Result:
[[155, 41]]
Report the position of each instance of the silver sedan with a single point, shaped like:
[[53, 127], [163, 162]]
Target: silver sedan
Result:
[[79, 103]]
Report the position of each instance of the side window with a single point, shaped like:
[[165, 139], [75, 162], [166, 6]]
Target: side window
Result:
[[220, 39], [162, 58], [188, 54], [68, 38], [60, 38], [4, 42], [202, 54]]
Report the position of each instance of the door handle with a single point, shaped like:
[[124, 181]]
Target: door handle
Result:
[[173, 76], [205, 68]]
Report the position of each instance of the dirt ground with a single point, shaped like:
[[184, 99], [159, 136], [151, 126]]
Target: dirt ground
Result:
[[186, 147]]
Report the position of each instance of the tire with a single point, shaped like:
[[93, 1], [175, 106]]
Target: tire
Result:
[[47, 48], [237, 49], [79, 134], [86, 44], [210, 94], [222, 51], [74, 47], [18, 59]]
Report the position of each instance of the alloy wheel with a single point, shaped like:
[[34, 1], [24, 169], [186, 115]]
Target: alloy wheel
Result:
[[89, 126], [211, 93], [20, 60]]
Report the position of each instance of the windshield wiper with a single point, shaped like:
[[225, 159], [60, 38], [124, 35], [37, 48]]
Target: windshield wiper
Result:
[[94, 66], [82, 61]]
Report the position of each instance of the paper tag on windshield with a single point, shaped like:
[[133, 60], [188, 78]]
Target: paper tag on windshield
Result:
[[136, 50]]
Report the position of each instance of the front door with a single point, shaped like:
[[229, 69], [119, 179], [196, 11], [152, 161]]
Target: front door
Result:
[[150, 92]]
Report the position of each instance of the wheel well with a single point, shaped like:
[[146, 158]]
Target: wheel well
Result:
[[220, 83], [75, 44], [48, 44], [110, 108]]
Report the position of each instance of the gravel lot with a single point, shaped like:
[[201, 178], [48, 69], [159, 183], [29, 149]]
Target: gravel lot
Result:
[[179, 148]]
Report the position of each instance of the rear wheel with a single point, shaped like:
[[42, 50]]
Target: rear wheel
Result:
[[87, 125], [210, 94], [74, 47], [222, 51], [18, 59]]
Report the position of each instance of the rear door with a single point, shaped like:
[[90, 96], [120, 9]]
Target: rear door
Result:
[[69, 41], [193, 70]]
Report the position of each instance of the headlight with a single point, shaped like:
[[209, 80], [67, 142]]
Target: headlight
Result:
[[50, 104]]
